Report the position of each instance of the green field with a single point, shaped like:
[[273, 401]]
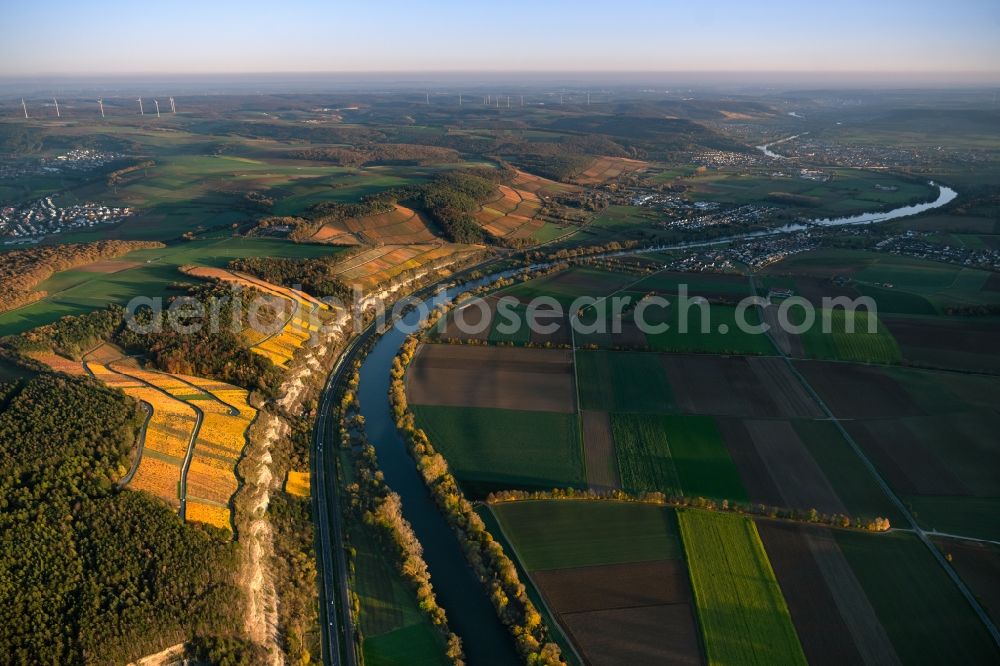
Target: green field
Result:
[[743, 615], [848, 192], [492, 449], [722, 335], [557, 534], [623, 382], [854, 484], [839, 344], [566, 286], [675, 454], [975, 517], [76, 291], [927, 619]]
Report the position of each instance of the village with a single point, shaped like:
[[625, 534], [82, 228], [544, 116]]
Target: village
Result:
[[20, 225]]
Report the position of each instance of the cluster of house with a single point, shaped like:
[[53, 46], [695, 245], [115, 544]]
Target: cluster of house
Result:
[[32, 222], [78, 159]]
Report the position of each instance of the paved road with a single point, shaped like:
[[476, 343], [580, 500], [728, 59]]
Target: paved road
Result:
[[914, 527], [338, 631]]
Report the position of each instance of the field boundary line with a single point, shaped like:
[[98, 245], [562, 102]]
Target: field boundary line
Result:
[[140, 438], [517, 555], [893, 498]]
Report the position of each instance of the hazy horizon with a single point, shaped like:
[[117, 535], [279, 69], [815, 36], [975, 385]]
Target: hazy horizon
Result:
[[911, 41]]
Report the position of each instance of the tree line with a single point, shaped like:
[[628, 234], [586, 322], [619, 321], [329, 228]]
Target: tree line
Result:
[[22, 270], [484, 553]]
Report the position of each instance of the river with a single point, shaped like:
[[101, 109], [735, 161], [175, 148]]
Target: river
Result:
[[470, 612], [464, 598]]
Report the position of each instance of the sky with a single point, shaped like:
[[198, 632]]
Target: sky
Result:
[[222, 36]]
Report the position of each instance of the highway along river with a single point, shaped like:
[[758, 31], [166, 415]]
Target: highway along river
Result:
[[470, 612]]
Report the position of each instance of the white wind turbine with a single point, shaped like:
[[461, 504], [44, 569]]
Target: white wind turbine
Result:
[[100, 103], [140, 107]]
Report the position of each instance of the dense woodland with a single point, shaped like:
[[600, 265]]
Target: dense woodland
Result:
[[90, 574], [21, 270]]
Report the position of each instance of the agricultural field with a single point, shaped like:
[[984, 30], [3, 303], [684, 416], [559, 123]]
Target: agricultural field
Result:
[[494, 377], [146, 273], [620, 594], [833, 616], [494, 449], [675, 455], [848, 192], [606, 169], [512, 213], [193, 439], [922, 611], [379, 265], [623, 382], [401, 226], [743, 615], [929, 433], [847, 336]]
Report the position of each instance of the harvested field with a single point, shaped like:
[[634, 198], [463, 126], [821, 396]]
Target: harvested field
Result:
[[744, 617], [753, 472], [606, 169], [513, 213], [568, 285], [645, 635], [789, 343], [59, 363], [497, 377], [791, 397], [909, 466], [614, 586], [979, 566], [857, 391], [946, 343], [801, 481], [724, 386], [599, 451], [543, 187], [825, 599]]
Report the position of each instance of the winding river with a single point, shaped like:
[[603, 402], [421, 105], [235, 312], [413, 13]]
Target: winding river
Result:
[[460, 593]]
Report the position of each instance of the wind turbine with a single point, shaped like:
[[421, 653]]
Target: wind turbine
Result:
[[56, 102], [460, 99], [100, 103], [508, 101], [25, 106], [157, 103], [427, 97], [173, 107], [140, 107], [522, 100]]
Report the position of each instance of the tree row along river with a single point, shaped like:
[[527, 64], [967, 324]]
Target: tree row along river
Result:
[[470, 613]]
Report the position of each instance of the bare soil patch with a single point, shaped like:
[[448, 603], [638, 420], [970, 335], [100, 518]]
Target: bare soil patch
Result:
[[652, 635], [614, 586], [753, 472], [940, 342], [802, 483], [833, 618], [787, 391], [718, 385], [599, 448], [857, 391], [498, 377], [909, 466]]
